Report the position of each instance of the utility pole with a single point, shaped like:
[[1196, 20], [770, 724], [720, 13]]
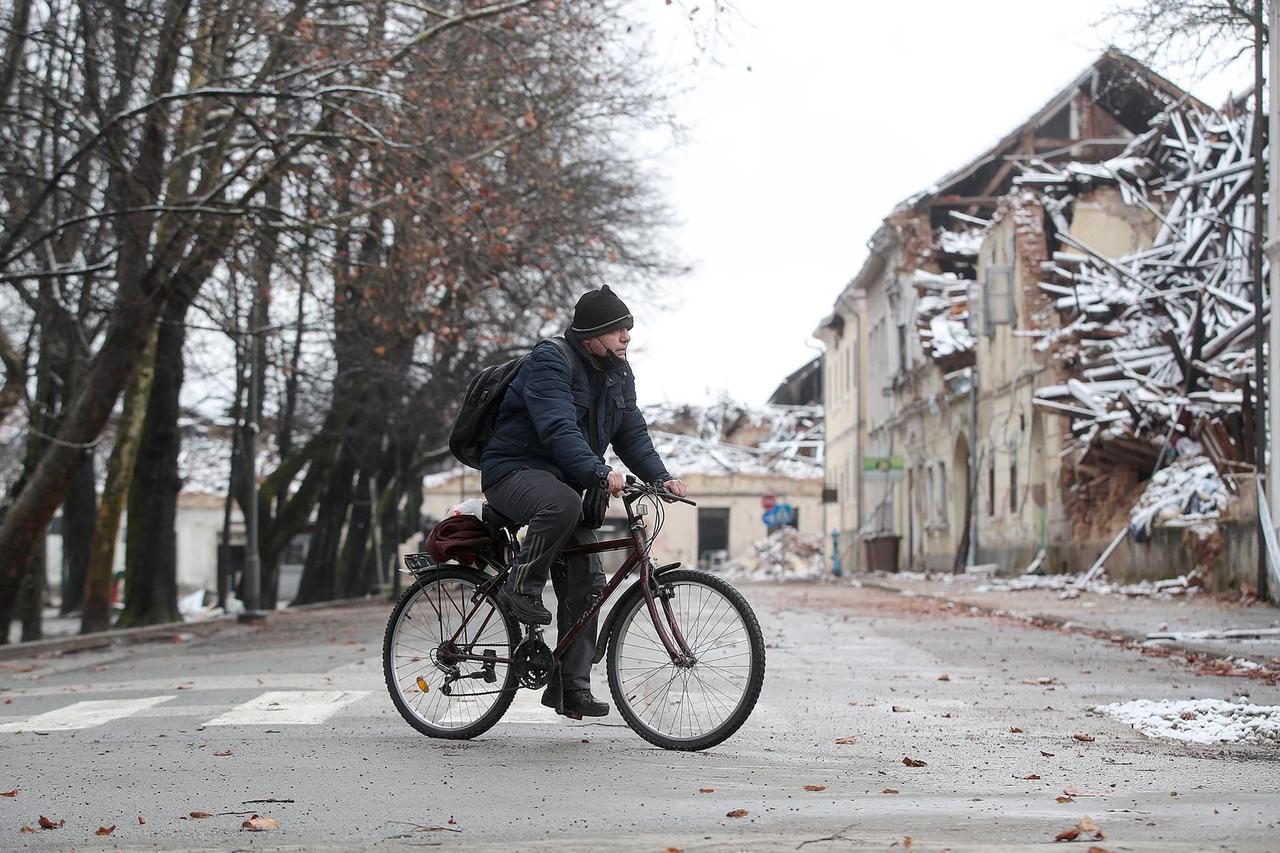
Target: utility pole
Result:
[[1259, 231], [252, 562], [1272, 249]]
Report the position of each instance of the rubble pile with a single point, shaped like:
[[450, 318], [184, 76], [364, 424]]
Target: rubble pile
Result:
[[942, 318], [783, 555], [1160, 341]]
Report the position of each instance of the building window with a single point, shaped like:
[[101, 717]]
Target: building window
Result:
[[1013, 485], [930, 506], [713, 535], [991, 488], [942, 493]]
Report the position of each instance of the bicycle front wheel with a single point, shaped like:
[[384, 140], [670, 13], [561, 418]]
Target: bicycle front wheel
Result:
[[441, 624], [695, 705]]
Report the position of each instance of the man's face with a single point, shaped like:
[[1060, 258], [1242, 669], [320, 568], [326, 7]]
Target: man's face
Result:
[[614, 342]]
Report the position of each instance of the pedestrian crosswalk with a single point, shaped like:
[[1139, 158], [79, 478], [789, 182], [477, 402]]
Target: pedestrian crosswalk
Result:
[[271, 708], [289, 708], [84, 715]]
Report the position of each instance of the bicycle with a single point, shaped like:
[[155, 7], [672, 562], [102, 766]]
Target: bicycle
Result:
[[685, 656]]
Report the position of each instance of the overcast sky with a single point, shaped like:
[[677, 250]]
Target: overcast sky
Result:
[[817, 118]]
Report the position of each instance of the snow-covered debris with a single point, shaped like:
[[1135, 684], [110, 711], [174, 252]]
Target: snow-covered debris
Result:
[[942, 317], [790, 431], [685, 455], [1203, 721], [1187, 493], [966, 242], [783, 555], [1071, 585], [1160, 338]]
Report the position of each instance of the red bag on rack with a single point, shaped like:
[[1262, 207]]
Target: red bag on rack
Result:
[[460, 539]]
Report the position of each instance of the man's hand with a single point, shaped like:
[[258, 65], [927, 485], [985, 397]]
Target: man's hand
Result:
[[616, 483], [677, 488]]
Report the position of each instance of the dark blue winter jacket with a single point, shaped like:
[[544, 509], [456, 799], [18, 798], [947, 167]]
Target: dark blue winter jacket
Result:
[[546, 421]]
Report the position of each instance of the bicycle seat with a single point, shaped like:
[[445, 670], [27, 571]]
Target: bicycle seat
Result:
[[496, 519]]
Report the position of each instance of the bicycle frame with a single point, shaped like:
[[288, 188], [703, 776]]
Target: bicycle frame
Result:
[[674, 642]]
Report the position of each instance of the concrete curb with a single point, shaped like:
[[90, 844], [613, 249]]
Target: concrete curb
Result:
[[1069, 625], [152, 633]]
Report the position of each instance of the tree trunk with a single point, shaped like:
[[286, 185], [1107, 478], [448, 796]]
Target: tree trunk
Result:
[[31, 596], [139, 294], [79, 512], [98, 581], [151, 545], [319, 580], [352, 562]]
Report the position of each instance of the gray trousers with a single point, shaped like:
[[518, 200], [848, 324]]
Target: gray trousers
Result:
[[552, 511]]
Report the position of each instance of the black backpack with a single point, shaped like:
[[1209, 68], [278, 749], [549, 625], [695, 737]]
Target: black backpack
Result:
[[478, 416]]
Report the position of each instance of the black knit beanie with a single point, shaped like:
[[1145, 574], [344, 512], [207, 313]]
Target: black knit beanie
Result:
[[600, 311]]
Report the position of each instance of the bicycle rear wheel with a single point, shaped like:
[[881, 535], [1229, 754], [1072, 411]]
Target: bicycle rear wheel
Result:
[[695, 706], [437, 693]]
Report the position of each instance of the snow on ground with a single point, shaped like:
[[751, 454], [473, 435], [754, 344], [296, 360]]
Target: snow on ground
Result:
[[783, 555], [1203, 721], [1069, 585]]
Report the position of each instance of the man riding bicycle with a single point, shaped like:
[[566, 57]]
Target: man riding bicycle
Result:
[[554, 425]]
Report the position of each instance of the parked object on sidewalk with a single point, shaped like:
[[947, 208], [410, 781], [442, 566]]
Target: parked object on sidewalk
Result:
[[193, 607], [882, 553], [1203, 721]]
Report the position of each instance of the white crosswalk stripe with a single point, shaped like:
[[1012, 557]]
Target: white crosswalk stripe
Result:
[[84, 715], [289, 707]]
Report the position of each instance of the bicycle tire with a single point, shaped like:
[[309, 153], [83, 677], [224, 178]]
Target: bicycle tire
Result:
[[403, 696], [635, 614]]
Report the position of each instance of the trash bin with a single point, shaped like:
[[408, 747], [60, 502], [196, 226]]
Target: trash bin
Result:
[[882, 553]]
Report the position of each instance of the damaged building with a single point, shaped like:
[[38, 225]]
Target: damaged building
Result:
[[1046, 356]]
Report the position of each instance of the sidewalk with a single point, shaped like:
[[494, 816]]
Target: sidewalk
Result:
[[1194, 621]]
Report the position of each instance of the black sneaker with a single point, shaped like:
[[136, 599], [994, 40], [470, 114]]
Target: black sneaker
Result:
[[527, 609], [576, 704]]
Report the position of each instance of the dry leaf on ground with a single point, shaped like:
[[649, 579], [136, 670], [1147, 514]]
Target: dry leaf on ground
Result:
[[1047, 754], [1064, 799], [27, 829], [45, 823], [1031, 776], [259, 824], [944, 677], [1084, 827], [200, 814], [673, 850], [737, 813], [1084, 738], [815, 787], [12, 793], [899, 709], [223, 753], [891, 791], [105, 830], [1015, 730], [1041, 682], [1096, 849], [706, 790], [847, 739], [912, 762], [141, 820], [906, 841]]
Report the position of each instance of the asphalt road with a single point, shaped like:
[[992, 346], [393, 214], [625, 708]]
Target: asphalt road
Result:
[[186, 727]]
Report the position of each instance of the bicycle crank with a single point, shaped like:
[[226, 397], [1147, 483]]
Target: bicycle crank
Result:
[[533, 662]]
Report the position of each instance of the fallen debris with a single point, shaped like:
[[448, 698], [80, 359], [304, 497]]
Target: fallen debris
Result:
[[783, 555], [1203, 721], [1159, 341]]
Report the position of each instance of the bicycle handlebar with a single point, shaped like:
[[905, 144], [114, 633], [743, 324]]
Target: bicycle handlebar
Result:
[[635, 489]]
